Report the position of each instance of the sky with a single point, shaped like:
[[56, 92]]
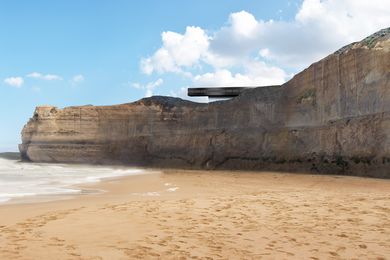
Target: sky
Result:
[[104, 52]]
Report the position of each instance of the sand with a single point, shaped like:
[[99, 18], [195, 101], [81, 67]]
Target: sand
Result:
[[206, 215]]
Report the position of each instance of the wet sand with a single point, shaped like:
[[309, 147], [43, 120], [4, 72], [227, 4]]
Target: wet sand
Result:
[[206, 215]]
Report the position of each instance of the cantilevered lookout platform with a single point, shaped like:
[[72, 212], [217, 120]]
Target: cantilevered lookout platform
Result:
[[226, 92]]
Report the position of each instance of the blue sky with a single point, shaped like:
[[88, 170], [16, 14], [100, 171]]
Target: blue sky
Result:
[[77, 52]]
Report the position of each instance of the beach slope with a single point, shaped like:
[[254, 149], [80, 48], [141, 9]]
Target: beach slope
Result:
[[203, 215]]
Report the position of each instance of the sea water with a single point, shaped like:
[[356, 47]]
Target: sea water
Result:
[[24, 179]]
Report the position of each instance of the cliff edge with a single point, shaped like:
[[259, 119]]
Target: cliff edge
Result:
[[332, 118]]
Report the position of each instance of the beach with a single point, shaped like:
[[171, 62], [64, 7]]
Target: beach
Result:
[[177, 214]]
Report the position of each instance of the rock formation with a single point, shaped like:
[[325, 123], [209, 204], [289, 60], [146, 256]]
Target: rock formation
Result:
[[333, 117]]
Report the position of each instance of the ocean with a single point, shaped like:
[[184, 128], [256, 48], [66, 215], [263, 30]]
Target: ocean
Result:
[[24, 179]]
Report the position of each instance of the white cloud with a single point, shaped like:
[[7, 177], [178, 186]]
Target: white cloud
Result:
[[256, 73], [16, 82], [250, 51], [319, 28], [188, 53], [48, 77], [178, 50], [239, 38], [34, 75], [77, 79], [265, 53], [222, 77], [244, 24], [149, 87]]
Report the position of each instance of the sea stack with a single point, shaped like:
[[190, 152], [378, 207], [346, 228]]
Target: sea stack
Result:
[[333, 118]]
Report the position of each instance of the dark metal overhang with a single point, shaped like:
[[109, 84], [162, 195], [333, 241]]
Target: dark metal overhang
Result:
[[216, 92]]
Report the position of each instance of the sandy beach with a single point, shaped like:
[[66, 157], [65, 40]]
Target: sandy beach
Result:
[[206, 215]]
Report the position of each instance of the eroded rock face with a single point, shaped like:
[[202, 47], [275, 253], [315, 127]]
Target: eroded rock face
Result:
[[331, 118]]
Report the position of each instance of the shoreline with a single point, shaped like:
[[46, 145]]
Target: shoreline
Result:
[[206, 214], [98, 187], [22, 181], [85, 189]]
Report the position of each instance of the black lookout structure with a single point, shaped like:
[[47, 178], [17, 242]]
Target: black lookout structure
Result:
[[226, 92]]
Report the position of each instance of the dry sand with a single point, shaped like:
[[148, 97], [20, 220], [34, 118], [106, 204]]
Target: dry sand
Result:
[[210, 215]]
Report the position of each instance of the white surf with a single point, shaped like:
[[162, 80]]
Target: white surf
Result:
[[24, 179]]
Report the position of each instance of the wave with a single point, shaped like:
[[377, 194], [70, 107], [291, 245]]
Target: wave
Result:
[[24, 179]]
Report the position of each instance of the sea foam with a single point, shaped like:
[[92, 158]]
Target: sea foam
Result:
[[22, 179]]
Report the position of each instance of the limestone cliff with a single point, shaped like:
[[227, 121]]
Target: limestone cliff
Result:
[[333, 117]]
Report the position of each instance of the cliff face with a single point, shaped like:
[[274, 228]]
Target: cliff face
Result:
[[334, 117]]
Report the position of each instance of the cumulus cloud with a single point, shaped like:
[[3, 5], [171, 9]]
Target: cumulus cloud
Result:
[[16, 82], [239, 38], [249, 51], [178, 50], [255, 74], [319, 28], [149, 87], [244, 24], [48, 77]]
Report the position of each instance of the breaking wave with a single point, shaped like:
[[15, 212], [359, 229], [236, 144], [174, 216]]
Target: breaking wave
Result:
[[21, 179]]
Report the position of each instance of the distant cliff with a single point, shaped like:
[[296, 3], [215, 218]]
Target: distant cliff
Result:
[[333, 117]]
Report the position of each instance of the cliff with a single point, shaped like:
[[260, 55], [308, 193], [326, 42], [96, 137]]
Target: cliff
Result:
[[333, 117]]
